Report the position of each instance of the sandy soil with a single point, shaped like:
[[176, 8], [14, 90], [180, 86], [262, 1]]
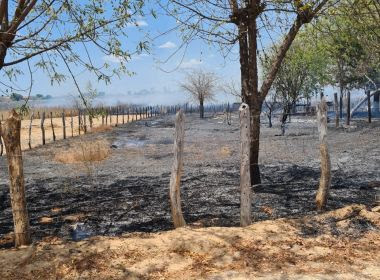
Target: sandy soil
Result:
[[280, 249], [128, 193]]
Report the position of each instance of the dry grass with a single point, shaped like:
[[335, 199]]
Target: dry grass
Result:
[[225, 151], [102, 128], [85, 151]]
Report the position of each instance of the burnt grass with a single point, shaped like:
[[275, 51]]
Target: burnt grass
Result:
[[128, 192]]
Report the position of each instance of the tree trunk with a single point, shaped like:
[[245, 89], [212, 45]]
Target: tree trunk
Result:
[[177, 169], [11, 136], [201, 109], [255, 144], [348, 108], [325, 180], [64, 124], [336, 108], [245, 173]]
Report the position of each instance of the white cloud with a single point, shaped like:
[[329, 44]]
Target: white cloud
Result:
[[113, 58], [191, 63], [168, 45], [139, 23]]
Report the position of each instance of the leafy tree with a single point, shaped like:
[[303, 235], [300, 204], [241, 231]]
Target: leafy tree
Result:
[[16, 97], [46, 34], [226, 23], [301, 75]]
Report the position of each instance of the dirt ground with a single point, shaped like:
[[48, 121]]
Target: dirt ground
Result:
[[128, 193]]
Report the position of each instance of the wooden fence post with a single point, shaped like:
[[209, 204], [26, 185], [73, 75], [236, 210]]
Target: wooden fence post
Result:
[[72, 123], [11, 136], [336, 108], [79, 121], [325, 180], [123, 112], [128, 115], [348, 113], [369, 106], [245, 177], [117, 115], [30, 131], [63, 125], [52, 125], [177, 169], [43, 128], [84, 122], [1, 142]]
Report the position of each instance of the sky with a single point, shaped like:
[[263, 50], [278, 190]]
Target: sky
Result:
[[156, 79]]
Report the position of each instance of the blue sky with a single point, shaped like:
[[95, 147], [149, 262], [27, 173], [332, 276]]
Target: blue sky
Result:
[[156, 80]]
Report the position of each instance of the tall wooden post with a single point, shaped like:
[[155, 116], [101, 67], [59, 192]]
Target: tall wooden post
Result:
[[79, 122], [117, 115], [72, 123], [336, 108], [84, 122], [64, 125], [123, 112], [43, 128], [245, 175], [348, 108], [325, 180], [30, 131], [11, 136], [369, 106], [52, 125], [128, 115], [177, 169]]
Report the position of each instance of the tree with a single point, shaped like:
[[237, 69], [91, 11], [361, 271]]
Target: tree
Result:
[[200, 85], [46, 34], [301, 75], [225, 23], [349, 36]]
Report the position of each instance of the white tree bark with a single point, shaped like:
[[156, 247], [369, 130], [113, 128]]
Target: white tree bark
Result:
[[177, 169], [245, 176]]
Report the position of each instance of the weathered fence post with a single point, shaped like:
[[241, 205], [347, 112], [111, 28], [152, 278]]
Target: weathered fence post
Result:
[[43, 128], [336, 109], [30, 131], [325, 180], [348, 113], [11, 136], [123, 112], [111, 113], [64, 125], [117, 115], [79, 122], [369, 106], [1, 142], [177, 169], [245, 177], [72, 123], [52, 125], [84, 122]]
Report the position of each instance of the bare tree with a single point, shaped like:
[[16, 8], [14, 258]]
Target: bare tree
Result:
[[201, 86]]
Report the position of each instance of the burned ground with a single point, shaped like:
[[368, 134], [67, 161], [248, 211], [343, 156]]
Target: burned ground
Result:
[[128, 192]]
